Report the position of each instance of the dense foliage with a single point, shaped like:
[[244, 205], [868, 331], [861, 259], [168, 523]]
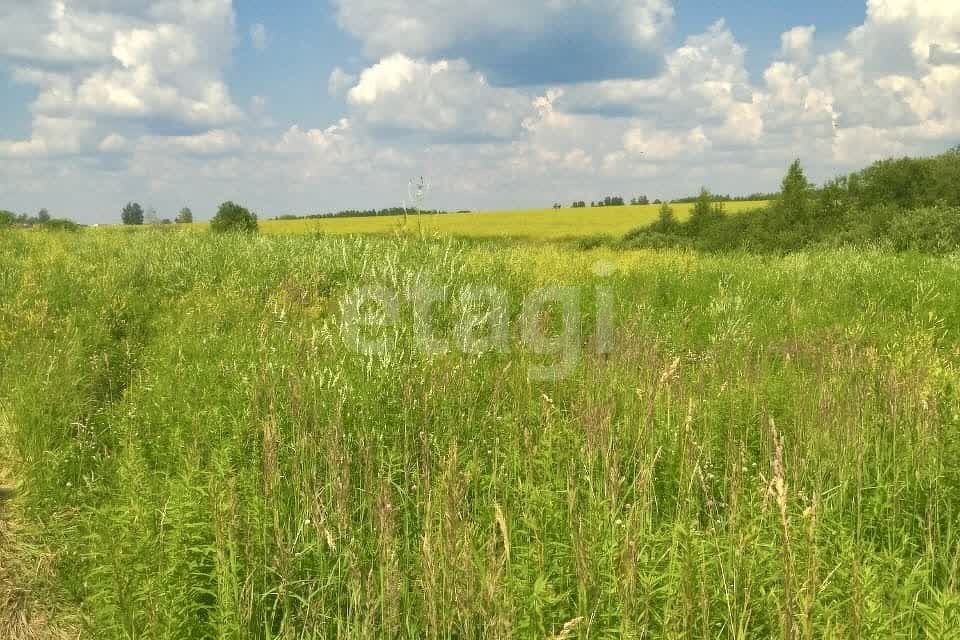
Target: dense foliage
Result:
[[185, 216], [132, 214], [43, 219], [905, 204], [231, 217]]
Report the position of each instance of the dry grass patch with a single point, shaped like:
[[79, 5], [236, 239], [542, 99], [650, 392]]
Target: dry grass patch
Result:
[[27, 612]]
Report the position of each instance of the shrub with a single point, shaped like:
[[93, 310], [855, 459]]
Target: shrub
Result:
[[593, 242], [233, 217], [666, 222], [61, 224], [646, 239], [929, 230], [7, 218], [701, 212]]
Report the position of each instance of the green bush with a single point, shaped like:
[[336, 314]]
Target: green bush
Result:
[[593, 242], [927, 230], [233, 217], [132, 214], [61, 224], [645, 239]]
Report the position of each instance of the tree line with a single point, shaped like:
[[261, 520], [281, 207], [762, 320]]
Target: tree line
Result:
[[905, 204], [363, 213], [41, 219], [134, 214], [609, 201], [229, 217]]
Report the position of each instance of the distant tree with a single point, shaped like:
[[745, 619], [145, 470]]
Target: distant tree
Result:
[[132, 213], [795, 193], [185, 216], [643, 200], [166, 221], [833, 200], [718, 210], [702, 209], [233, 217], [150, 216], [7, 218], [666, 221], [657, 201], [43, 216]]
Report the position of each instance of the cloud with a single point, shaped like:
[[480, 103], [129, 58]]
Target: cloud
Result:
[[114, 143], [882, 91], [445, 100], [702, 78], [704, 88], [51, 137], [518, 42], [941, 55], [158, 63], [339, 82], [259, 37], [661, 145], [796, 43], [577, 100], [215, 142]]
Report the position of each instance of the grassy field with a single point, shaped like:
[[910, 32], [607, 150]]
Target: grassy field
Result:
[[547, 224], [217, 437]]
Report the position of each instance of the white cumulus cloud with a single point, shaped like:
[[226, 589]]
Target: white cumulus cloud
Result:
[[517, 41], [445, 99], [97, 60]]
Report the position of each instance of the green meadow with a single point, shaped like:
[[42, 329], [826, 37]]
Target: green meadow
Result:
[[417, 436]]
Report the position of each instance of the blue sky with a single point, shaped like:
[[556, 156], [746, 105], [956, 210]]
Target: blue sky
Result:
[[315, 106]]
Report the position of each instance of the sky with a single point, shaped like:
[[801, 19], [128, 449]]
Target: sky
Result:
[[308, 106]]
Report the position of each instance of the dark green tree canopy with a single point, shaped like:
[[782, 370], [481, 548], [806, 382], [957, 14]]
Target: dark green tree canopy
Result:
[[704, 210], [185, 216], [795, 192], [132, 213], [233, 217], [666, 221]]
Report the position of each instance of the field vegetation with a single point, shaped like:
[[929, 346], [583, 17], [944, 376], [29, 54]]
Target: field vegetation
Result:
[[768, 448], [530, 224], [905, 204], [413, 435]]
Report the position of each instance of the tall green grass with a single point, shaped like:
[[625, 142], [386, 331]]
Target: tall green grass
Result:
[[769, 449]]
